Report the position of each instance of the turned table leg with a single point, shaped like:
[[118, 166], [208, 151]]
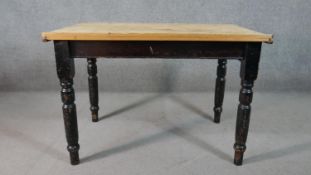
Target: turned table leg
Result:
[[93, 87], [65, 72], [249, 71], [219, 89]]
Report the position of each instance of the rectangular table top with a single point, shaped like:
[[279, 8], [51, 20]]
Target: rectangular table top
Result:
[[156, 32]]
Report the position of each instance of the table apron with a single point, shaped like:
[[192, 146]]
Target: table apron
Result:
[[157, 49]]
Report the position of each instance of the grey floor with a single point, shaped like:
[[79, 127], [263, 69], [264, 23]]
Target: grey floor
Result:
[[155, 134]]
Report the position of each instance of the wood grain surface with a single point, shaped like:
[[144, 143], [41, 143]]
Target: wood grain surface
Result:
[[156, 32]]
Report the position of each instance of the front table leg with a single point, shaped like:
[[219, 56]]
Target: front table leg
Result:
[[249, 71], [65, 72]]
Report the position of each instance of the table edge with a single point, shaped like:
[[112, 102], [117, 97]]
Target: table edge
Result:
[[50, 36]]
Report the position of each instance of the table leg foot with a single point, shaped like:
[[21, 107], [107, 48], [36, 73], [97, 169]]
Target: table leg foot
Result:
[[94, 115], [238, 154], [74, 154]]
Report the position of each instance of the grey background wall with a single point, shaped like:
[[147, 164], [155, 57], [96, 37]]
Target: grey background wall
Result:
[[28, 64]]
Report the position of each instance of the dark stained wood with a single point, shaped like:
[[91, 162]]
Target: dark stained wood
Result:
[[248, 74], [93, 87], [65, 72], [219, 89], [156, 49]]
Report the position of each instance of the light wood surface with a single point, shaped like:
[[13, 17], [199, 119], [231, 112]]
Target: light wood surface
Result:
[[156, 32]]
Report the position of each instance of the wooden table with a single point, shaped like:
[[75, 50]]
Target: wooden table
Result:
[[189, 41]]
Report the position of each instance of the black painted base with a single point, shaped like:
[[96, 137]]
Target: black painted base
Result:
[[247, 52]]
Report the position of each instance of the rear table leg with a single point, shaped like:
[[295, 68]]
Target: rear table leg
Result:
[[93, 87], [219, 89]]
